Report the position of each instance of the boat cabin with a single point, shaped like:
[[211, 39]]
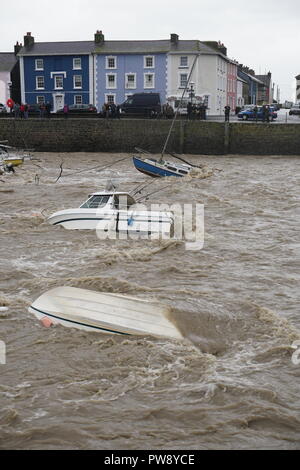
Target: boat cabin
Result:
[[119, 201]]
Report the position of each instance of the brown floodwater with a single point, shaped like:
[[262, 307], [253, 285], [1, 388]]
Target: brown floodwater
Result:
[[229, 384]]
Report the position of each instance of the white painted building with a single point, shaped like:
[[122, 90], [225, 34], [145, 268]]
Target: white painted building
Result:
[[7, 63], [239, 94], [209, 74]]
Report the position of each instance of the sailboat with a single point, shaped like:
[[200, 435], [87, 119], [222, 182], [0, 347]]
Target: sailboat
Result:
[[162, 167]]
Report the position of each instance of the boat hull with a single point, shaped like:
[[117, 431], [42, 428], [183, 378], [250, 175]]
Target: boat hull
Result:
[[155, 169], [104, 313], [142, 222]]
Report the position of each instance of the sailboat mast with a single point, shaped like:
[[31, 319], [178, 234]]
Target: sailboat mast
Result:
[[177, 110]]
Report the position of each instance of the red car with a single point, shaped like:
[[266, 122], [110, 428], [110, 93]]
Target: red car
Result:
[[80, 108]]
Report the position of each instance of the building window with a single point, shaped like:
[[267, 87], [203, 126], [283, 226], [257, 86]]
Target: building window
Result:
[[39, 64], [78, 99], [183, 80], [40, 99], [77, 64], [58, 82], [110, 99], [77, 81], [184, 61], [40, 83], [148, 62], [130, 80], [206, 101], [149, 80], [111, 62], [111, 81]]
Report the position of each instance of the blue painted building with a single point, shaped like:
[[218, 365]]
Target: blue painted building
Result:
[[250, 86], [123, 68], [56, 72]]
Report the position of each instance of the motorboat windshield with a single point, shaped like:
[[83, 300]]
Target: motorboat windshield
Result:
[[95, 202]]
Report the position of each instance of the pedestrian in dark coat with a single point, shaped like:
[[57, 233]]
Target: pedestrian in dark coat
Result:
[[48, 109], [189, 110], [227, 112]]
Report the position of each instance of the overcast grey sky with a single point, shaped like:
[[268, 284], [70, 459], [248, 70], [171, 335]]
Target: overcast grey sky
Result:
[[263, 34]]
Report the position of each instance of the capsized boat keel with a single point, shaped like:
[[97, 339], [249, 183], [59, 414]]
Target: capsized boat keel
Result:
[[104, 312]]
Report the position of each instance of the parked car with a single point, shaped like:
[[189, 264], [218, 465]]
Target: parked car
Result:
[[295, 110], [79, 108], [3, 109], [142, 104], [248, 114], [34, 110]]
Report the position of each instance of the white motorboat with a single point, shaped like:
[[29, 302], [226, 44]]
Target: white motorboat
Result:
[[113, 212], [104, 313]]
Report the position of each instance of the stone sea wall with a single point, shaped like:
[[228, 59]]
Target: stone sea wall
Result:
[[188, 137]]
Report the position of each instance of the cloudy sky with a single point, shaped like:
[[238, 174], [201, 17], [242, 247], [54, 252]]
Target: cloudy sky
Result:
[[263, 34]]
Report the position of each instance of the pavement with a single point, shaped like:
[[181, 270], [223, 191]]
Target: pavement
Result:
[[283, 117]]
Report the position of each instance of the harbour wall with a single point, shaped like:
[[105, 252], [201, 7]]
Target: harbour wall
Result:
[[187, 137]]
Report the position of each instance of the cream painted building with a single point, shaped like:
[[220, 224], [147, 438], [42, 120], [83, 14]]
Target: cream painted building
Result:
[[207, 69]]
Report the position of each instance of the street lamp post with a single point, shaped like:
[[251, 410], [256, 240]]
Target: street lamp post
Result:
[[191, 91]]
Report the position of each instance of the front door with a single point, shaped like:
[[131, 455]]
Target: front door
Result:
[[58, 102]]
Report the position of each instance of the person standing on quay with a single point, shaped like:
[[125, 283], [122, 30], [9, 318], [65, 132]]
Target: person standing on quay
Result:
[[66, 110], [227, 113], [48, 109], [255, 111], [16, 110], [22, 109]]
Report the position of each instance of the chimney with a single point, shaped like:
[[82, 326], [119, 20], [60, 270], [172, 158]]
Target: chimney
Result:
[[28, 40], [174, 38], [217, 46], [17, 47], [99, 38]]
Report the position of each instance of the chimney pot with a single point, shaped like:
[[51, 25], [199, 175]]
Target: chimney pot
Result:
[[28, 40], [174, 38], [99, 37]]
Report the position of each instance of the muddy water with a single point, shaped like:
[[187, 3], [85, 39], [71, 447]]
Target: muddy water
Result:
[[229, 384]]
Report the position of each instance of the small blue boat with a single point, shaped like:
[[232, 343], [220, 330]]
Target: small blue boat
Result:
[[158, 169], [161, 167]]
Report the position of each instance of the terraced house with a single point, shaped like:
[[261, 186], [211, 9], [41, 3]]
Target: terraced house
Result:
[[56, 72], [100, 71], [126, 67]]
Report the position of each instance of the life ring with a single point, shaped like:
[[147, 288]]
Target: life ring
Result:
[[10, 103]]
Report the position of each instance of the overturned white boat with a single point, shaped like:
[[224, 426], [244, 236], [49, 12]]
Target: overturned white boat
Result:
[[114, 212], [104, 312]]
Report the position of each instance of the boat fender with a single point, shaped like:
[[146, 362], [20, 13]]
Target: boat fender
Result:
[[46, 322], [130, 220]]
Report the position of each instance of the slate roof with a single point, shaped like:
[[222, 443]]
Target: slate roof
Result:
[[7, 61], [58, 48], [116, 47], [266, 79]]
